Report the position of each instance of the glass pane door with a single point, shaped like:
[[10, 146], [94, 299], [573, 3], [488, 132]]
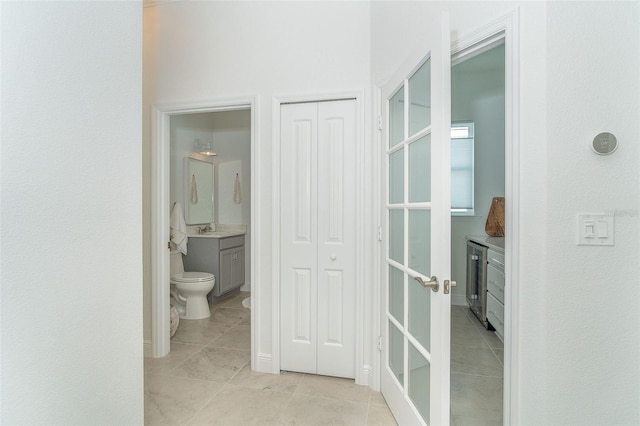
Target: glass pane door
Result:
[[415, 361]]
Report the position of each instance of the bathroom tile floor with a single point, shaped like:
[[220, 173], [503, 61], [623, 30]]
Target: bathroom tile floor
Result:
[[206, 379]]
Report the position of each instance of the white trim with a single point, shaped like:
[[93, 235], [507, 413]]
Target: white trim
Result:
[[264, 362], [507, 27], [160, 157], [362, 373], [147, 349]]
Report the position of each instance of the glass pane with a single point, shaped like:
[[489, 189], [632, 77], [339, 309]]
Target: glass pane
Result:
[[396, 294], [396, 177], [419, 377], [396, 118], [420, 313], [420, 241], [396, 352], [420, 98], [420, 170], [396, 235]]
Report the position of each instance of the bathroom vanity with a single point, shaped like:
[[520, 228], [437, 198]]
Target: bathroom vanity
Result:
[[219, 253]]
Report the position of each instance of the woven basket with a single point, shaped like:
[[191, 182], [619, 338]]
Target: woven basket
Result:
[[174, 320], [495, 221]]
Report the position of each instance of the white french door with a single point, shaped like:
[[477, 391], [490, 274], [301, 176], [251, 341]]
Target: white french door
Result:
[[318, 237], [415, 321]]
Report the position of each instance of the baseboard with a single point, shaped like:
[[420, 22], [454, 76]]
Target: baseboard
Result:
[[148, 349], [245, 287], [264, 363], [365, 378], [459, 300]]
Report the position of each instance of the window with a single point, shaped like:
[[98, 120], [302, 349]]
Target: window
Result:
[[462, 169]]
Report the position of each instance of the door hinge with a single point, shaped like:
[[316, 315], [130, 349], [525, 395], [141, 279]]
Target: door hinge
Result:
[[380, 343], [379, 122], [379, 233]]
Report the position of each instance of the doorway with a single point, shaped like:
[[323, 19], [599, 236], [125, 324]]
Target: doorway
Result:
[[478, 175], [503, 31], [212, 116]]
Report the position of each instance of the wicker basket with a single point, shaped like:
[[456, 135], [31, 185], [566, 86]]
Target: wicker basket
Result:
[[174, 320]]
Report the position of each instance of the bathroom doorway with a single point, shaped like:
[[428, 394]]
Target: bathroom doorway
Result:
[[229, 128]]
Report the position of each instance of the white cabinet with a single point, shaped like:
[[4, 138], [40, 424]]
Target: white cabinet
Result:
[[495, 291]]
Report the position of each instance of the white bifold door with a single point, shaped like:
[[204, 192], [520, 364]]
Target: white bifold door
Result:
[[317, 241]]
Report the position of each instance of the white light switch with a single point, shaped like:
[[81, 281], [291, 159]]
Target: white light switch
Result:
[[595, 229]]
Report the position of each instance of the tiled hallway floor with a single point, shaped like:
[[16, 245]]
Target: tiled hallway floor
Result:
[[207, 380]]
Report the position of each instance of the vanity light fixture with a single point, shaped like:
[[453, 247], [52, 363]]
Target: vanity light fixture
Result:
[[205, 148]]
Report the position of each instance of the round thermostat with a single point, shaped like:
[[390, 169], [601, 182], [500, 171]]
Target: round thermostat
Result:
[[604, 144]]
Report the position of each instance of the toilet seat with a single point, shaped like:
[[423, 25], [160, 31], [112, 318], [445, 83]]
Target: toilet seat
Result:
[[192, 277]]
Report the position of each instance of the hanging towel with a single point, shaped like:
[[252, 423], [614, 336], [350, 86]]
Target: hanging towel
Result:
[[237, 196], [194, 190], [178, 228]]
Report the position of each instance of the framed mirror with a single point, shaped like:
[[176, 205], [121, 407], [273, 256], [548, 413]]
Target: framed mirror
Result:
[[198, 192]]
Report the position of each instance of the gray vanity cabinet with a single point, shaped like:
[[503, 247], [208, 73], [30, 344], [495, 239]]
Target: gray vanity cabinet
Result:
[[223, 257]]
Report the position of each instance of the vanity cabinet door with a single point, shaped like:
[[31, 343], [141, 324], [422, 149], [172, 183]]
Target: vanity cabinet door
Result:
[[227, 264], [231, 269], [238, 267]]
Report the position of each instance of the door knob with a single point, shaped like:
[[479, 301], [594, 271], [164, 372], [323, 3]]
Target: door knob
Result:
[[333, 256], [432, 283]]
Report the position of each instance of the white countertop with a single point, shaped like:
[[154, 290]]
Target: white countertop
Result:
[[217, 234], [496, 243], [221, 231]]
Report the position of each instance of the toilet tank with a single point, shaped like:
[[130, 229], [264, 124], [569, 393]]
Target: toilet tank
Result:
[[175, 265]]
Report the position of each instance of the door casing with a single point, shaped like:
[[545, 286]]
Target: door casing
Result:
[[160, 158]]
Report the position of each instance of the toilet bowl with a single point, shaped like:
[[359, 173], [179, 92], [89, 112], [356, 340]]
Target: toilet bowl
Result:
[[189, 290]]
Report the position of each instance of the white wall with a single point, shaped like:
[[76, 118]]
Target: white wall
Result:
[[71, 259], [593, 336], [477, 94], [578, 336], [198, 51]]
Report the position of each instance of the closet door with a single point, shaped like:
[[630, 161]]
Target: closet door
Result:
[[318, 182]]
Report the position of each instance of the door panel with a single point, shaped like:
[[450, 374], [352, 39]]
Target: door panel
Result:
[[299, 244], [415, 362]]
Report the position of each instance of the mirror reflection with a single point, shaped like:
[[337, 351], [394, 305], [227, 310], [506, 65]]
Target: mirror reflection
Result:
[[198, 192]]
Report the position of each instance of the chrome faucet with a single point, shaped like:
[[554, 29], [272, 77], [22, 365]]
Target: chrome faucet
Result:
[[204, 229]]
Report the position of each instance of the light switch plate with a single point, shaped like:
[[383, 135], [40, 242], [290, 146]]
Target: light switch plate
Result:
[[596, 229]]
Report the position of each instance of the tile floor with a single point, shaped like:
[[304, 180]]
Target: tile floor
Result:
[[476, 371], [207, 380]]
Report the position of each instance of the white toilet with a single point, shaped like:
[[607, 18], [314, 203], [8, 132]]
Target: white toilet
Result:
[[189, 290]]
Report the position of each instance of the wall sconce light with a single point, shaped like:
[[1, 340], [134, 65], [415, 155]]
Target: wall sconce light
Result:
[[205, 148]]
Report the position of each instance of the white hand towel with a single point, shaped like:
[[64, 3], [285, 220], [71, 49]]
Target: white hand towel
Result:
[[194, 190], [178, 228], [237, 196]]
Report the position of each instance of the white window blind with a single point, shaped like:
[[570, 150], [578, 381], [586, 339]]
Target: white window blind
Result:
[[462, 168]]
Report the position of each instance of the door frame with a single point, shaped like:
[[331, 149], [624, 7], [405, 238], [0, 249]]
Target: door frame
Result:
[[160, 186], [363, 373], [507, 26]]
